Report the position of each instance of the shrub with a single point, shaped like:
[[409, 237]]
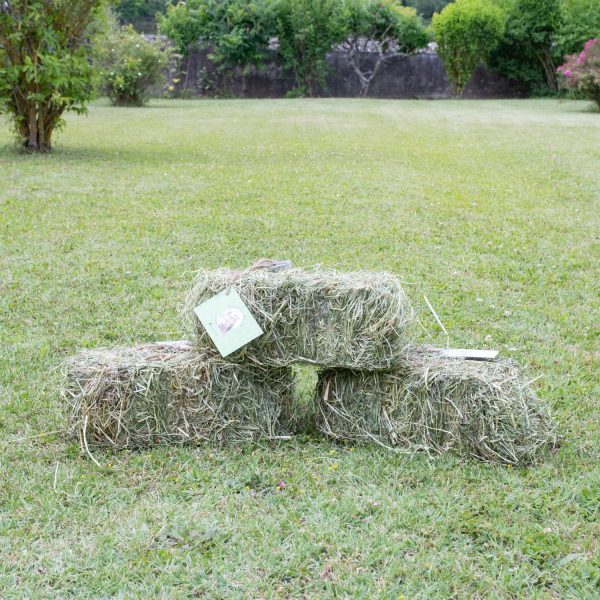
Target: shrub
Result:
[[376, 30], [307, 31], [130, 65], [44, 67], [466, 33], [183, 24], [236, 31], [581, 72], [527, 52]]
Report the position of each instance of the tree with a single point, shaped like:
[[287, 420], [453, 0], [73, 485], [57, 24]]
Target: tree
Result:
[[183, 25], [580, 21], [238, 31], [377, 30], [44, 66], [466, 33], [527, 50], [307, 30]]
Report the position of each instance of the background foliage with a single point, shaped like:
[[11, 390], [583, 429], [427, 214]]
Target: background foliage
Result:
[[580, 22], [528, 51], [581, 72], [141, 13], [129, 65], [184, 24], [536, 34], [427, 8], [466, 32], [376, 30], [307, 30], [236, 31], [240, 33]]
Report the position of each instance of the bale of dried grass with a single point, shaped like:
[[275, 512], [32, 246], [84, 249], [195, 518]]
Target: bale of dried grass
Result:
[[322, 317], [167, 392], [483, 409]]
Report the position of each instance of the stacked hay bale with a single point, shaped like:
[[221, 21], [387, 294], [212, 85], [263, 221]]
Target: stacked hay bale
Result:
[[374, 385], [320, 317], [180, 392], [434, 403], [168, 392]]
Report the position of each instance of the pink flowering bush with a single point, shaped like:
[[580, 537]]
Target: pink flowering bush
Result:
[[581, 72]]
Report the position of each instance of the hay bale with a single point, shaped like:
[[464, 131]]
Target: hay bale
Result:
[[483, 409], [169, 393], [322, 317]]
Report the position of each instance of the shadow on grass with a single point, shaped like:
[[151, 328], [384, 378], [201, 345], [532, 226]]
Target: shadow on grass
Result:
[[90, 155]]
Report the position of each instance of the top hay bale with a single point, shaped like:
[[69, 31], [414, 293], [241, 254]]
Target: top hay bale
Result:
[[323, 317]]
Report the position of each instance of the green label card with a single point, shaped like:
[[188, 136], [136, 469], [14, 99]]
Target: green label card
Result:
[[228, 321]]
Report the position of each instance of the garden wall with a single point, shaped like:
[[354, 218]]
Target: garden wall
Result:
[[418, 76]]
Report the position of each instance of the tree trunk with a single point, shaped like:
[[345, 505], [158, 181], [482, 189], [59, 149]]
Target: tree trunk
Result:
[[550, 70], [32, 134], [365, 75], [187, 72], [381, 58], [545, 57], [363, 78], [38, 127]]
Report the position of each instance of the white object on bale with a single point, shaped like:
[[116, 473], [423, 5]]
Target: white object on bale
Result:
[[467, 353]]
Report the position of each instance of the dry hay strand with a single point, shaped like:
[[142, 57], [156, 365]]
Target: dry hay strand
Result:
[[482, 409], [322, 317], [167, 392]]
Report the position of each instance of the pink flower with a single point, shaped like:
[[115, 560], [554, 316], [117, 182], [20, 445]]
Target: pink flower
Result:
[[568, 73], [588, 45]]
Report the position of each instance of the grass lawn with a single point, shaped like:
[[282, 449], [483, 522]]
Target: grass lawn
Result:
[[490, 208]]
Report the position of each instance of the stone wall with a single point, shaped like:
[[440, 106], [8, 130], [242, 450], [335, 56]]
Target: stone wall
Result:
[[418, 76]]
